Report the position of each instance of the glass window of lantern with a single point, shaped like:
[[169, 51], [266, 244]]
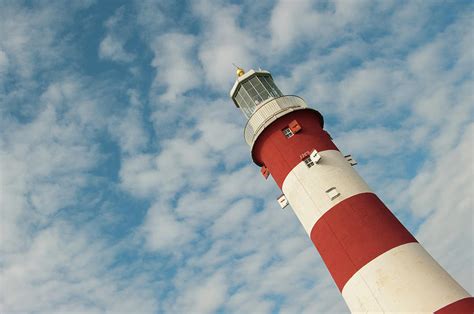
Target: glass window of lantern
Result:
[[249, 87], [258, 86], [267, 87], [262, 90], [245, 96], [270, 85], [241, 102], [238, 98], [246, 103]]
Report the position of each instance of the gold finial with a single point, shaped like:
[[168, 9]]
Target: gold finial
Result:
[[239, 71]]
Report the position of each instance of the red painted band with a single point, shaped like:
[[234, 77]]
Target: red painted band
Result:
[[459, 307], [354, 232], [280, 154]]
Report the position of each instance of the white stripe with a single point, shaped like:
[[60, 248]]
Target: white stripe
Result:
[[403, 279], [305, 188]]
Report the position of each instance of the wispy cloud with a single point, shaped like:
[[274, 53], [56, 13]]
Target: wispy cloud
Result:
[[113, 45], [176, 71]]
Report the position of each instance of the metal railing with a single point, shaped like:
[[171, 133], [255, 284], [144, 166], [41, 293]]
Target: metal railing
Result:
[[268, 112]]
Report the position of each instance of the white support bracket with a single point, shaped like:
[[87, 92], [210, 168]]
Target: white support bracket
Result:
[[332, 193], [350, 160], [315, 156], [282, 201]]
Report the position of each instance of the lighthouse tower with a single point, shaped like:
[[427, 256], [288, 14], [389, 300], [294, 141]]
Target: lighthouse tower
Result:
[[374, 260]]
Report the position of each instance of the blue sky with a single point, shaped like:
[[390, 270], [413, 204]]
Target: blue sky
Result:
[[126, 184]]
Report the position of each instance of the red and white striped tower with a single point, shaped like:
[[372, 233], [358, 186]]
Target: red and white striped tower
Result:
[[374, 260]]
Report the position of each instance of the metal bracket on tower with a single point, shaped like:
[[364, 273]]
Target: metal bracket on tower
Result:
[[315, 157], [332, 193], [282, 201], [351, 160], [294, 126]]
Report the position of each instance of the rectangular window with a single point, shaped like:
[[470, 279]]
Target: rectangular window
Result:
[[250, 88], [247, 106], [268, 87], [240, 100], [287, 132], [309, 162]]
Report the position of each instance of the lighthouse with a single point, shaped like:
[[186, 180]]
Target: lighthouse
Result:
[[375, 262]]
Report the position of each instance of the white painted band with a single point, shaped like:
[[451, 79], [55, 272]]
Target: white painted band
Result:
[[403, 279], [305, 188]]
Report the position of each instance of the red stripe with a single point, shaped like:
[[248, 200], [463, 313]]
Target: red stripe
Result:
[[459, 307], [354, 232], [280, 154]]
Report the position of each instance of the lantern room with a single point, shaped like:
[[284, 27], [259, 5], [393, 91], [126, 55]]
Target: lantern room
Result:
[[252, 89]]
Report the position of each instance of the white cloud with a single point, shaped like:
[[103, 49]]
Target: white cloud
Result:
[[66, 269], [235, 215], [151, 17], [224, 42], [48, 264], [139, 175], [190, 156], [203, 296], [128, 129], [113, 45], [163, 232], [42, 165], [176, 71], [24, 30], [373, 142], [292, 21], [30, 34], [112, 48], [3, 63]]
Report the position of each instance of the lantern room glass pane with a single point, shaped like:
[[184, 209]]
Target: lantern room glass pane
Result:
[[249, 87], [273, 89], [240, 100], [246, 103], [261, 89]]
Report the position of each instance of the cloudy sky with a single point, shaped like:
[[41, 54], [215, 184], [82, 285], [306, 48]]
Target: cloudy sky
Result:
[[126, 184]]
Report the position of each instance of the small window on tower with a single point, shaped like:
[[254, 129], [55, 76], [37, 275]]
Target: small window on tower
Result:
[[287, 132], [332, 193], [309, 162]]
